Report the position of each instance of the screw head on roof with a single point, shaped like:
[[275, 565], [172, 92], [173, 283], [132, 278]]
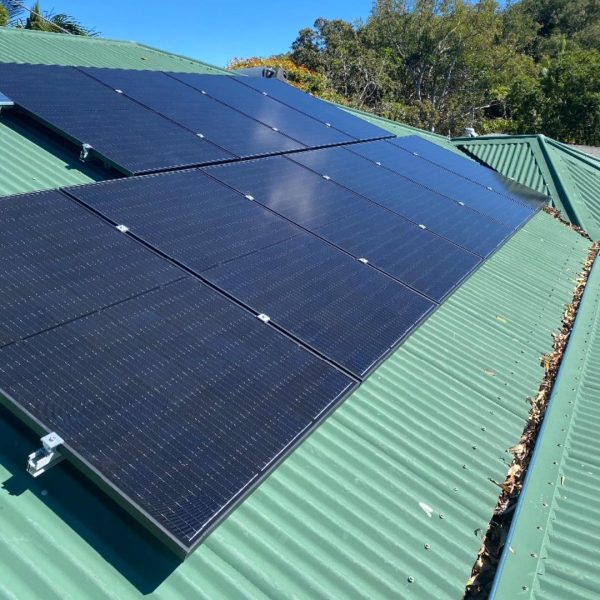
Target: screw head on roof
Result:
[[427, 546], [442, 516], [411, 579]]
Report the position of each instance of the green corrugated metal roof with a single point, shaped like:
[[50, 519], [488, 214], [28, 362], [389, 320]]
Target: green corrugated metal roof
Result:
[[32, 160], [341, 517], [23, 46], [571, 178], [553, 551]]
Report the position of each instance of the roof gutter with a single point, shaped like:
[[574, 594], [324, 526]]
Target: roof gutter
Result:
[[594, 272]]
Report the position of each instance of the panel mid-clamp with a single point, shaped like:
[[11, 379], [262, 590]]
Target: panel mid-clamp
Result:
[[47, 456]]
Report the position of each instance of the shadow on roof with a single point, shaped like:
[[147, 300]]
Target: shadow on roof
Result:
[[112, 533]]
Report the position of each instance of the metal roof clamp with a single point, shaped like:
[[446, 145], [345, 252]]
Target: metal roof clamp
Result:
[[364, 261], [47, 456], [85, 151], [264, 318]]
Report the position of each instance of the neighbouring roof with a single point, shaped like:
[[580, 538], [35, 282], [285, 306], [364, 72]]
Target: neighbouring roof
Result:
[[591, 150], [569, 177], [389, 496], [552, 550]]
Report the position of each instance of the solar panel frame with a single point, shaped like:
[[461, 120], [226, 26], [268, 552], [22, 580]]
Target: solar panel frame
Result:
[[60, 262], [329, 114], [340, 383], [455, 187], [472, 170], [117, 129], [199, 113], [274, 114], [458, 224]]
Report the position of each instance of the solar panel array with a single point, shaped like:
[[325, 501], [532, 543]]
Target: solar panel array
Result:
[[182, 331]]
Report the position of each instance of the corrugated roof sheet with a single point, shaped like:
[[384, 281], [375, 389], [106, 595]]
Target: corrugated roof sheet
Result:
[[552, 551], [32, 160], [569, 177], [24, 46], [393, 486]]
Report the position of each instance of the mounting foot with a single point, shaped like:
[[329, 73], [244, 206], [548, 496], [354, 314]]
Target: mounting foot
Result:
[[47, 456]]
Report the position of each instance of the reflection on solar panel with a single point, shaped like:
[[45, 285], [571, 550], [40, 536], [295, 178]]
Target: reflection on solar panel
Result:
[[177, 399], [59, 262], [118, 129], [471, 170], [446, 183], [459, 224], [338, 306], [215, 121], [414, 256], [298, 126], [323, 111]]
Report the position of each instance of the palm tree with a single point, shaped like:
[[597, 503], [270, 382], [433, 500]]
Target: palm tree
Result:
[[43, 21]]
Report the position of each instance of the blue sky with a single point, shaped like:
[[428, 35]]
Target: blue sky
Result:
[[212, 31]]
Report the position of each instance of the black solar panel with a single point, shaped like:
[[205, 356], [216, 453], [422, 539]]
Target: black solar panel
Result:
[[339, 306], [444, 182], [318, 109], [200, 223], [473, 171], [188, 216], [282, 118], [459, 224], [58, 262], [216, 122], [179, 400], [425, 261], [119, 129]]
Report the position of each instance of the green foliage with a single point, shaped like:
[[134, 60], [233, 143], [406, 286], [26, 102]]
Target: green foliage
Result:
[[56, 23], [523, 67], [3, 16]]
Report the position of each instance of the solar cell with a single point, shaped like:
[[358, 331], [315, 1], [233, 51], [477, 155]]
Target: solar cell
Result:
[[334, 303], [118, 129], [178, 401], [58, 262], [444, 182], [294, 124], [188, 216], [318, 109], [459, 224], [471, 170], [216, 122]]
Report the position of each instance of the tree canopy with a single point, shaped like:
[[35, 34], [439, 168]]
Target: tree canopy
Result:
[[530, 66]]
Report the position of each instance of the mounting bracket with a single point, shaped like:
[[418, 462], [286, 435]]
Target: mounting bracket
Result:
[[47, 456], [85, 151]]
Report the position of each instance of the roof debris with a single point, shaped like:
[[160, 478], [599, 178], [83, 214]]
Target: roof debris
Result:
[[479, 584]]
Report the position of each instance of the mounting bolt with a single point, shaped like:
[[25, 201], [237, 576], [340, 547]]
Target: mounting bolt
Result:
[[411, 579]]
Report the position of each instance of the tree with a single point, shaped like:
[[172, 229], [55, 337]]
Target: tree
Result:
[[4, 17], [301, 77], [571, 86], [57, 23]]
